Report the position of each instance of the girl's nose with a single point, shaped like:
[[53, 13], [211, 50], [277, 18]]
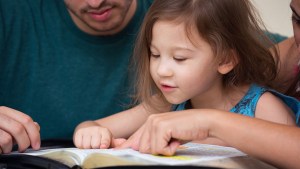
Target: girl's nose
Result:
[[164, 69]]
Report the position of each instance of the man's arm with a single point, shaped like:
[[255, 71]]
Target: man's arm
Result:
[[274, 143], [271, 142]]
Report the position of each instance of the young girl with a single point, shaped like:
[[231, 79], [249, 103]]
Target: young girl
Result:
[[195, 54]]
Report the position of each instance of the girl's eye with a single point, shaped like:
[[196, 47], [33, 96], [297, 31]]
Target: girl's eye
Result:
[[155, 55], [179, 59]]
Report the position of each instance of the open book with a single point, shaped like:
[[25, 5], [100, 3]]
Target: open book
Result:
[[187, 154]]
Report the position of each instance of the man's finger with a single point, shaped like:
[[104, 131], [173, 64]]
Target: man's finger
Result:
[[37, 126], [6, 142], [117, 142], [15, 130], [170, 149], [21, 127], [125, 144]]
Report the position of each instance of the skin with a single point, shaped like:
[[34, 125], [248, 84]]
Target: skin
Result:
[[17, 128], [289, 53], [295, 7], [286, 74], [94, 17], [172, 63], [268, 140], [176, 67], [274, 143], [175, 78], [101, 17], [112, 127]]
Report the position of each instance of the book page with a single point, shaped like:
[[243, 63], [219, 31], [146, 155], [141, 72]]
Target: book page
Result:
[[187, 154], [105, 160], [191, 154], [87, 158], [68, 156]]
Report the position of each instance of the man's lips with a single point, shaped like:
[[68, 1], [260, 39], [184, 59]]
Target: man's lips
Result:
[[101, 16]]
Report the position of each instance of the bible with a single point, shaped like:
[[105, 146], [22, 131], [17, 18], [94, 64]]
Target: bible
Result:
[[186, 154]]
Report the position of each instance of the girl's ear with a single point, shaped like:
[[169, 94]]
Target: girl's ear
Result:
[[228, 64]]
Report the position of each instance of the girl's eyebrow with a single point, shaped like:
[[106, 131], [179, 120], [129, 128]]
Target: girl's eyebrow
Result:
[[174, 48], [182, 48], [295, 13]]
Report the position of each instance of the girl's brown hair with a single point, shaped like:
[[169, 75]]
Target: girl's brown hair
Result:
[[227, 25]]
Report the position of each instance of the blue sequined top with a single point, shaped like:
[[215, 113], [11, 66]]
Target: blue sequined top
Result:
[[247, 104]]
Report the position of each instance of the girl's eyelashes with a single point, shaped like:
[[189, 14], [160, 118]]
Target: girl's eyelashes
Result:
[[154, 55], [179, 59], [176, 58]]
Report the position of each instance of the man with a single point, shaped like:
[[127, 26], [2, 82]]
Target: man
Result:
[[62, 62]]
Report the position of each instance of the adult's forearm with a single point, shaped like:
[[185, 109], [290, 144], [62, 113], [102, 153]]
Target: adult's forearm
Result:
[[270, 142]]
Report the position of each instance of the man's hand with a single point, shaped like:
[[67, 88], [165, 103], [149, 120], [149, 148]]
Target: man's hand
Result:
[[164, 132], [17, 128]]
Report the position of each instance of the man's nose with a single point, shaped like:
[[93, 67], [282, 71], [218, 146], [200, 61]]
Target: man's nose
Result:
[[95, 3]]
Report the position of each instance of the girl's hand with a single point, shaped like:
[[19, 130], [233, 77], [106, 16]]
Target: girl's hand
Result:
[[90, 135]]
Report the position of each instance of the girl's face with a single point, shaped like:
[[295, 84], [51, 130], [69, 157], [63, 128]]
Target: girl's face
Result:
[[180, 69]]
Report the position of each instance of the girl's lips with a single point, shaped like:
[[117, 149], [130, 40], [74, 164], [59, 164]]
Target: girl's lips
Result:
[[101, 16], [167, 88]]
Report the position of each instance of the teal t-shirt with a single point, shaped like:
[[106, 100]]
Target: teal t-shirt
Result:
[[57, 74]]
